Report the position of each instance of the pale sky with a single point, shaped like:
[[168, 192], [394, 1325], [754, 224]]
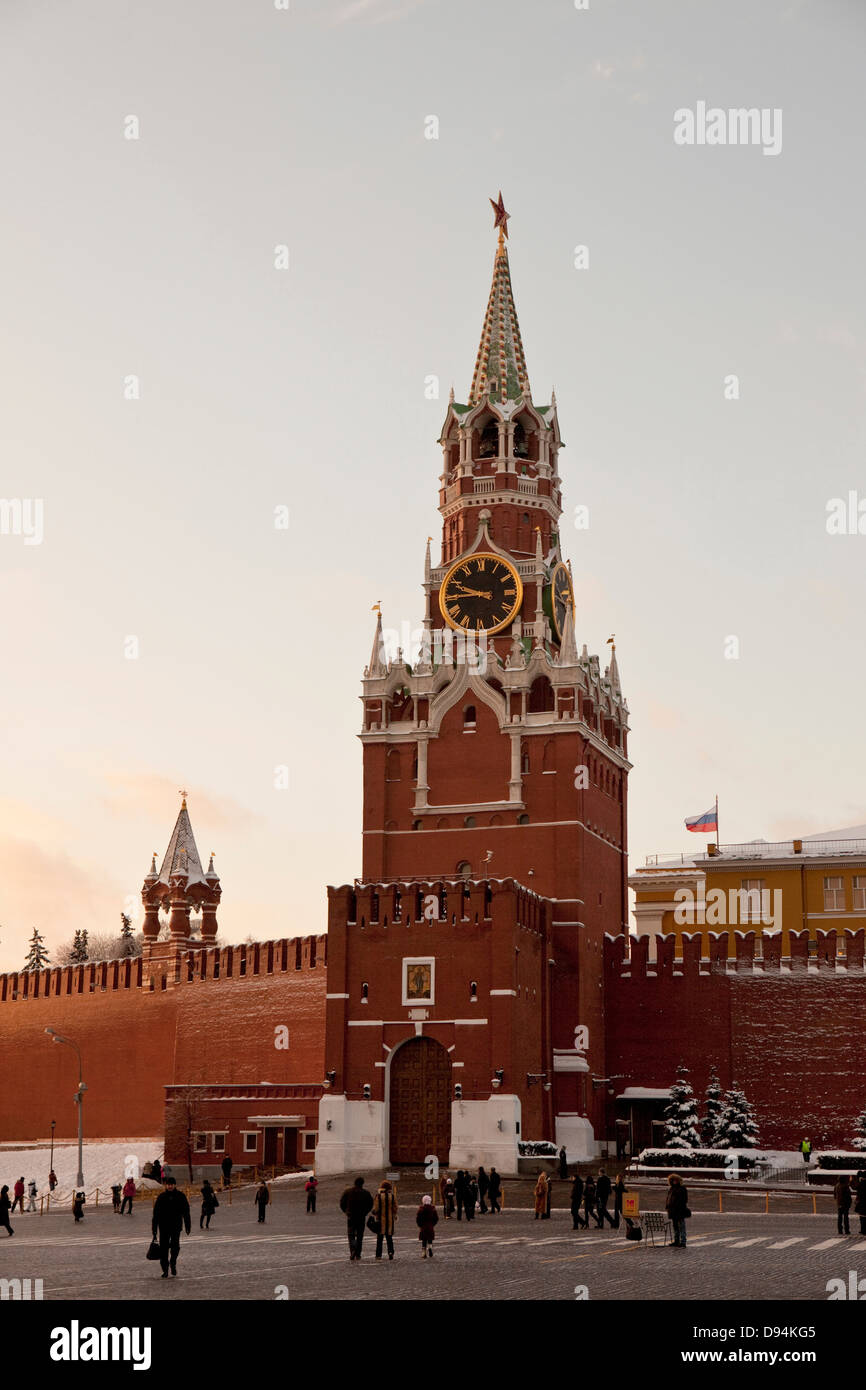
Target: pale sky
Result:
[[154, 257]]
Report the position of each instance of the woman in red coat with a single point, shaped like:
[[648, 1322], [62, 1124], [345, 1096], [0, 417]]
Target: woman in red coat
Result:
[[426, 1218]]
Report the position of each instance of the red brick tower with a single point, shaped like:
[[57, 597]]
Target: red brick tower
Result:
[[500, 752]]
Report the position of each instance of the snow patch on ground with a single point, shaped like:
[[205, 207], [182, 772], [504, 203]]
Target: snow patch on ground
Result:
[[104, 1164]]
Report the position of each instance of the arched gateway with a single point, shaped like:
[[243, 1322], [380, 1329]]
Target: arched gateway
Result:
[[420, 1102]]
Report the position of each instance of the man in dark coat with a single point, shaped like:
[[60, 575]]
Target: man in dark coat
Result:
[[356, 1202], [170, 1212], [470, 1195], [677, 1206], [460, 1192], [483, 1188], [226, 1166], [577, 1202], [589, 1201], [842, 1198], [563, 1164], [156, 1170], [602, 1197], [494, 1191]]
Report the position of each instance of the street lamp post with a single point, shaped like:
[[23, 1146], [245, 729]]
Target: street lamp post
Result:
[[79, 1101], [51, 1160]]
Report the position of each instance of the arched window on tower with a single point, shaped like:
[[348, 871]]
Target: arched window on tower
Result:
[[524, 758], [469, 717], [392, 766], [521, 448], [464, 869], [549, 764], [541, 697], [488, 445]]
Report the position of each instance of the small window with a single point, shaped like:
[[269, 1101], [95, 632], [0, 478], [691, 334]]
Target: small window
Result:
[[464, 868], [251, 1141], [417, 824], [469, 822], [469, 717], [310, 1140], [834, 894], [523, 820], [219, 1143], [859, 892], [752, 899], [201, 1143]]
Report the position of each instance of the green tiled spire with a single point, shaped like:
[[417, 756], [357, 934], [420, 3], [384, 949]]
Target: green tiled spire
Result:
[[500, 367]]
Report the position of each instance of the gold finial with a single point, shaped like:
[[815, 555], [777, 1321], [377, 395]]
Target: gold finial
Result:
[[182, 792], [377, 607], [610, 641]]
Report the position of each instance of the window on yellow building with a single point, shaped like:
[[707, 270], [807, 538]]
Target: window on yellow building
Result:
[[859, 892], [751, 890], [834, 894]]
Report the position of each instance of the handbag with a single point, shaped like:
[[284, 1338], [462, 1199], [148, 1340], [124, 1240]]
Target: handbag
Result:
[[687, 1211], [153, 1249], [373, 1225]]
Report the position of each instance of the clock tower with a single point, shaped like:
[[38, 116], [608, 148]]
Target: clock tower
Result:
[[496, 754]]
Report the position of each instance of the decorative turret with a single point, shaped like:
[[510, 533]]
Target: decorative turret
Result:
[[182, 886]]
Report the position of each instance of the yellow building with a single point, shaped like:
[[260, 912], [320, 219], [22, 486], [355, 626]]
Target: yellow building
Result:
[[817, 883]]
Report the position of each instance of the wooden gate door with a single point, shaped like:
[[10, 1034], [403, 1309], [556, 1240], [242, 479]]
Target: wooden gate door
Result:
[[420, 1102], [269, 1154]]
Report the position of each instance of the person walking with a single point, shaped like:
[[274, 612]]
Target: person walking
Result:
[[356, 1202], [156, 1170], [32, 1194], [677, 1208], [860, 1199], [602, 1197], [262, 1197], [52, 1180], [540, 1195], [806, 1150], [619, 1189], [577, 1202], [78, 1207], [483, 1189], [842, 1198], [209, 1204], [426, 1219], [311, 1187], [589, 1201], [5, 1205], [170, 1212], [385, 1213], [563, 1164], [226, 1167], [494, 1192], [18, 1190], [115, 1198], [128, 1194]]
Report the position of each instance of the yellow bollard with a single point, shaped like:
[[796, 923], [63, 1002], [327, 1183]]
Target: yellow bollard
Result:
[[814, 1204], [720, 1199]]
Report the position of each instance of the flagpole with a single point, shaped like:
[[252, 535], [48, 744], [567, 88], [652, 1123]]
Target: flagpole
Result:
[[717, 822]]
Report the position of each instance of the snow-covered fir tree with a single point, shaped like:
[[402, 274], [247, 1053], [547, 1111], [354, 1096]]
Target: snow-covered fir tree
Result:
[[737, 1127], [681, 1115], [37, 956], [79, 948], [712, 1109], [859, 1140], [127, 939]]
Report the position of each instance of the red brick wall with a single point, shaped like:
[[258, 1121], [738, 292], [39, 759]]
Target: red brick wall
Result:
[[791, 1038], [135, 1041]]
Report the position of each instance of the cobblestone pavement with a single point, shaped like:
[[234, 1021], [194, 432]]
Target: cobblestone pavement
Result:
[[730, 1255]]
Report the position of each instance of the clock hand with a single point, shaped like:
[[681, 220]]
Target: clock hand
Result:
[[474, 593]]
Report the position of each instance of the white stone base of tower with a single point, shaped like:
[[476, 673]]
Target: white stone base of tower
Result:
[[355, 1140], [576, 1133], [485, 1132]]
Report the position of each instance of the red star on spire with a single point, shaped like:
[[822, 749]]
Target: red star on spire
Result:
[[501, 218]]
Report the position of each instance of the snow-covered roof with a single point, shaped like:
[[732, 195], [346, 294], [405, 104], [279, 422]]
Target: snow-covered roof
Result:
[[182, 856], [645, 1093]]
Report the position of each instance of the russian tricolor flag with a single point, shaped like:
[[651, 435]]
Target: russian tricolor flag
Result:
[[705, 824]]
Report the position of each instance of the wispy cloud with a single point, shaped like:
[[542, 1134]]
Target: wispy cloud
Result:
[[374, 11]]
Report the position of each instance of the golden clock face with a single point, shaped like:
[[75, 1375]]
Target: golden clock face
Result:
[[482, 593], [562, 597]]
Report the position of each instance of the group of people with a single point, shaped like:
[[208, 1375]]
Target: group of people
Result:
[[466, 1194], [379, 1215], [847, 1194], [589, 1196]]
